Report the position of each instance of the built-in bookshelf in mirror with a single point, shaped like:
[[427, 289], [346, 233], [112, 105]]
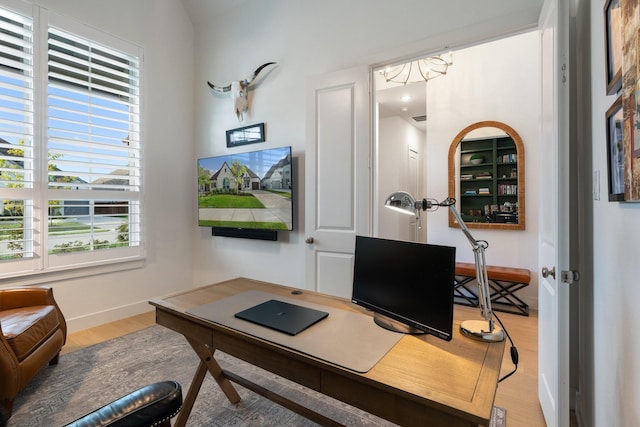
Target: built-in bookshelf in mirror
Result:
[[486, 176]]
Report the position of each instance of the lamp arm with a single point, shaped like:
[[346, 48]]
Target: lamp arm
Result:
[[481, 264]]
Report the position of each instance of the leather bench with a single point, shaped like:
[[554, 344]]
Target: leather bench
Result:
[[152, 405], [503, 283]]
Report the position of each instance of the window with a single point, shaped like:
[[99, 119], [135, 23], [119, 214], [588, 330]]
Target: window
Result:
[[70, 146]]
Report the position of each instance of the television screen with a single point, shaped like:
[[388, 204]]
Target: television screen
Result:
[[410, 283], [250, 190]]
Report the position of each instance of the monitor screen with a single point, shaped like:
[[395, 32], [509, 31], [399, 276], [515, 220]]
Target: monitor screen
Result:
[[251, 190], [411, 283]]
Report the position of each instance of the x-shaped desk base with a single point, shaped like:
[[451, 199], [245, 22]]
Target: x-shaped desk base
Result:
[[209, 364]]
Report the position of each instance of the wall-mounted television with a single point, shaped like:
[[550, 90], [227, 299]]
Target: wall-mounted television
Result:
[[408, 285], [246, 194]]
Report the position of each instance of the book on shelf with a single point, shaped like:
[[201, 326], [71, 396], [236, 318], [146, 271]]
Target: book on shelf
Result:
[[483, 191], [508, 189], [470, 193], [466, 177], [484, 175], [508, 158]]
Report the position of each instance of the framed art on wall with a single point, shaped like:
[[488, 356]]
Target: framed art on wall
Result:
[[245, 135], [613, 45], [615, 151], [631, 97]]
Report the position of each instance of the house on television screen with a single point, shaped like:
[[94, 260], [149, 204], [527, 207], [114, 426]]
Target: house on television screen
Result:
[[278, 176], [223, 179]]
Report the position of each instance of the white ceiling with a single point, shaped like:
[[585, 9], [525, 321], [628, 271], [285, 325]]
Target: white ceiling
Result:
[[204, 12], [463, 13], [390, 103]]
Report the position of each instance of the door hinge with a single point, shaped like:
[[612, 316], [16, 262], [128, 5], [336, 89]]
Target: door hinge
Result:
[[569, 276]]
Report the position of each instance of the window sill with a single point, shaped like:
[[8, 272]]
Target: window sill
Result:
[[56, 275]]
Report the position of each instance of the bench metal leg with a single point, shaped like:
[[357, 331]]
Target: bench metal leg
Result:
[[462, 294], [502, 296]]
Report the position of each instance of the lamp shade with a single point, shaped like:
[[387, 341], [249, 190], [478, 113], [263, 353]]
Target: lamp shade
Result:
[[401, 201]]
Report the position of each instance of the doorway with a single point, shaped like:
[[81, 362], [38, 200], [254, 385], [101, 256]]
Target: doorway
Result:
[[401, 140], [496, 80]]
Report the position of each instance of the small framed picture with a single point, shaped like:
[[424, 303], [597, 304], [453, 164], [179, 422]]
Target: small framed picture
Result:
[[613, 45], [245, 135], [615, 151]]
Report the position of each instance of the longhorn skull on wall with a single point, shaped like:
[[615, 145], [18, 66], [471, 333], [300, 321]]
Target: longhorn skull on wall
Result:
[[240, 91]]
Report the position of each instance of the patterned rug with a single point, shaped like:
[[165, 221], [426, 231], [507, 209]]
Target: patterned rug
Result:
[[89, 378]]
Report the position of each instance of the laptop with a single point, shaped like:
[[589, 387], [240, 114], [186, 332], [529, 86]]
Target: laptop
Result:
[[282, 316]]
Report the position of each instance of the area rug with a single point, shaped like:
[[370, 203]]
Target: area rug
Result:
[[91, 377]]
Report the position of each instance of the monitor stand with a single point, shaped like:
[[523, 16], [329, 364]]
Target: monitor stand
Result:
[[395, 326]]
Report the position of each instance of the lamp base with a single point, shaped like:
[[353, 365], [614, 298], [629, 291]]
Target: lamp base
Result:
[[479, 330]]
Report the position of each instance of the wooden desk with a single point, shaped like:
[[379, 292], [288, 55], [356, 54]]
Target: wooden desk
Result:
[[421, 381]]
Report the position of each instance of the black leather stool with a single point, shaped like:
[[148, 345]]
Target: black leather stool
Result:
[[152, 405]]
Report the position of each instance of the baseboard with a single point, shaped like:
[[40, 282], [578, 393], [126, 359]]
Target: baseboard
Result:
[[100, 318]]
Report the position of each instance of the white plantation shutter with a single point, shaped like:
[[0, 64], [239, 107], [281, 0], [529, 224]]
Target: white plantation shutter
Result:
[[93, 137], [70, 145], [16, 137], [93, 109]]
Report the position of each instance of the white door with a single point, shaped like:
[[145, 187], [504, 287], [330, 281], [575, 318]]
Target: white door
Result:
[[553, 295], [338, 187]]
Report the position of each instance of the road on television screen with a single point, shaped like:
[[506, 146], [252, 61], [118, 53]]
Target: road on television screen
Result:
[[277, 209]]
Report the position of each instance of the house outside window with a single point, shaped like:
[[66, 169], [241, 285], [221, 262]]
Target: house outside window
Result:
[[70, 144]]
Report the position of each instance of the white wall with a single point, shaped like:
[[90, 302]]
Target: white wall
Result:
[[616, 269], [308, 38], [164, 30]]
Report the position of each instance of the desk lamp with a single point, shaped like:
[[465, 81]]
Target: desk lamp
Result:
[[483, 330]]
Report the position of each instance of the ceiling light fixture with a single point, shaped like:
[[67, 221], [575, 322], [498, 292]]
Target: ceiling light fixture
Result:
[[423, 69]]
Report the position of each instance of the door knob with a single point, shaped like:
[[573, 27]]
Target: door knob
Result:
[[546, 272], [309, 240]]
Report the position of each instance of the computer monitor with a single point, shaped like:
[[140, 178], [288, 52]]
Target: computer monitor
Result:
[[408, 285]]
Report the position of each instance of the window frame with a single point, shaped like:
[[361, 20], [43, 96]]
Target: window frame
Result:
[[44, 263]]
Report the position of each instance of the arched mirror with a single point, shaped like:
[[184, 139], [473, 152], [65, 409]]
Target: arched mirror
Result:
[[486, 176]]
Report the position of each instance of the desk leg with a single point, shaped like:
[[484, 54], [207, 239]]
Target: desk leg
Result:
[[207, 364], [190, 399], [206, 358]]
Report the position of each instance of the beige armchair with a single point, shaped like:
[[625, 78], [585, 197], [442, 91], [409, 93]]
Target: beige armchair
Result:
[[32, 332]]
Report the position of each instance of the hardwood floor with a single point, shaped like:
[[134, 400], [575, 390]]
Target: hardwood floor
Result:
[[518, 393], [87, 337]]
